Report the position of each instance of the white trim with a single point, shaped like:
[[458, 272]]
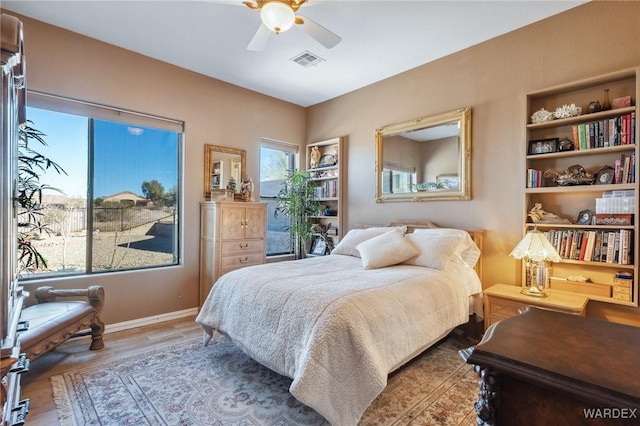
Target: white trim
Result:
[[141, 322]]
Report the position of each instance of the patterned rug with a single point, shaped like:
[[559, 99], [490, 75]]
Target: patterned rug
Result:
[[187, 384]]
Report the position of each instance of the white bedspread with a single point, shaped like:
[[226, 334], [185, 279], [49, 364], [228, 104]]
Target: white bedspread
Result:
[[336, 329]]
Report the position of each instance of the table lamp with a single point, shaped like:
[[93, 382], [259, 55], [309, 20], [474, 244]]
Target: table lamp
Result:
[[537, 251]]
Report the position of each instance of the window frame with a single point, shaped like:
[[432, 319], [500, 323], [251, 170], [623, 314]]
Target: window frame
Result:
[[92, 111], [294, 151]]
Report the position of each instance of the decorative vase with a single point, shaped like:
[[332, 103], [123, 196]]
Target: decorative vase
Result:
[[606, 105], [246, 189]]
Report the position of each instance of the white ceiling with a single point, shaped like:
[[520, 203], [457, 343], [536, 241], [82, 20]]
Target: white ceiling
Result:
[[379, 38]]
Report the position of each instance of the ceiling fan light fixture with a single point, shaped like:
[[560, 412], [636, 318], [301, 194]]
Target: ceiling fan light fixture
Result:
[[277, 16]]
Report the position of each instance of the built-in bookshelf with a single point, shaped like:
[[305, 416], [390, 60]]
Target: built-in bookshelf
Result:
[[582, 168], [325, 161]]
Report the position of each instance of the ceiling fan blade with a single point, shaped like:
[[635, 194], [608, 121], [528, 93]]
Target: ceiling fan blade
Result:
[[260, 39], [319, 33]]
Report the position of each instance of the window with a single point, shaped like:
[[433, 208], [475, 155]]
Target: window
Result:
[[397, 178], [118, 205], [276, 160]]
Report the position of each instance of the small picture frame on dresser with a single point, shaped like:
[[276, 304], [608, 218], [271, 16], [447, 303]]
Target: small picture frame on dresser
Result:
[[319, 247], [543, 146]]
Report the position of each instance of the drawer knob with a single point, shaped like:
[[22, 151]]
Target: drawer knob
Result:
[[245, 260]]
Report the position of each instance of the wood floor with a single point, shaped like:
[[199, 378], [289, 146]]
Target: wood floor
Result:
[[75, 353]]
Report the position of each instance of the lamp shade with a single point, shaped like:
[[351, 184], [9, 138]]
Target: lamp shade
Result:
[[536, 247], [277, 16]]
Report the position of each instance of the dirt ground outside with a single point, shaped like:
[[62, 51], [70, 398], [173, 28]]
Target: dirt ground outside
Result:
[[149, 245]]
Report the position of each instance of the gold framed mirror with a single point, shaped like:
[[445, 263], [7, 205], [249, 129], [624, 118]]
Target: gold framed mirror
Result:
[[220, 164], [425, 159]]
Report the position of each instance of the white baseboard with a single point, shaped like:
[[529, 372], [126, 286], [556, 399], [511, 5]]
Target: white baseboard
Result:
[[141, 322]]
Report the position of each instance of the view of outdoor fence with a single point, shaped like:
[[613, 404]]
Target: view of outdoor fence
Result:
[[122, 237]]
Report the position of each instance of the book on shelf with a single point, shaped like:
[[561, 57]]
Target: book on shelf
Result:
[[611, 240], [607, 132], [534, 178], [593, 245], [625, 168], [582, 136], [597, 247], [591, 240], [328, 189], [605, 246], [583, 245], [625, 247]]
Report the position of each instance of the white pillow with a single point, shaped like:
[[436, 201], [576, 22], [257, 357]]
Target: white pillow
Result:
[[435, 251], [387, 249], [348, 243], [466, 253]]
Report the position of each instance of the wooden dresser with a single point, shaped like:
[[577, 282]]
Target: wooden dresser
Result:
[[544, 367], [232, 236]]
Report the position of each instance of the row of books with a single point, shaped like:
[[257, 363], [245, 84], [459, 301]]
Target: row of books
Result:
[[609, 132], [625, 169], [328, 189], [534, 178], [593, 245]]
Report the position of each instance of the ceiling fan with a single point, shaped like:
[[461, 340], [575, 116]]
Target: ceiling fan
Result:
[[280, 15]]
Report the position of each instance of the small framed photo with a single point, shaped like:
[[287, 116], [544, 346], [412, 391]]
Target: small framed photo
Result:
[[448, 181], [585, 217], [543, 146], [319, 247], [605, 176]]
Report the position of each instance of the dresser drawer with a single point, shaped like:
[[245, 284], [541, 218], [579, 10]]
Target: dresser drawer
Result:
[[242, 246], [241, 260], [503, 308]]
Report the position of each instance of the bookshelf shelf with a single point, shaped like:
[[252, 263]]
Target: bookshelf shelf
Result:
[[608, 139], [330, 189]]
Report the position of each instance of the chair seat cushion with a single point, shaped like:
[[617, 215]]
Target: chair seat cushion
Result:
[[50, 318]]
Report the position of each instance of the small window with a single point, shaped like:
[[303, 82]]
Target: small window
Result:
[[276, 161]]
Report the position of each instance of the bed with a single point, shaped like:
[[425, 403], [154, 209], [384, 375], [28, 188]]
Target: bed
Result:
[[339, 324]]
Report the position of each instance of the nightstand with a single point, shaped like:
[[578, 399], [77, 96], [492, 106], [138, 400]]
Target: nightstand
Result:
[[503, 300]]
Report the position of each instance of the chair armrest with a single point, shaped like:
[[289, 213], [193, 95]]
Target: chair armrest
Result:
[[94, 293]]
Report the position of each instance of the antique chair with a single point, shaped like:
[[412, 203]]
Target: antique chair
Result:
[[51, 322]]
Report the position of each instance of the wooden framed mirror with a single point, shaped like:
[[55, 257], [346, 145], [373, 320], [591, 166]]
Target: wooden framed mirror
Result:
[[425, 159], [220, 164]]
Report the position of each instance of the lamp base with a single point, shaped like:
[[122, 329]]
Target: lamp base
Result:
[[533, 291]]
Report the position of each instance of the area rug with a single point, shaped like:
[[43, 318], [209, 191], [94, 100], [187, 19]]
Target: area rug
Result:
[[188, 384]]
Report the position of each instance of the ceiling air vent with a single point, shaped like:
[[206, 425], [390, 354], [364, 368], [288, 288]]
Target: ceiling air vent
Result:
[[307, 59]]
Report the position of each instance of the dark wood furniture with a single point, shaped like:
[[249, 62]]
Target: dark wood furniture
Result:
[[550, 368]]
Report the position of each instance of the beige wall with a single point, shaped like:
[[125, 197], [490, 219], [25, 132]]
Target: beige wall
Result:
[[63, 63], [492, 78]]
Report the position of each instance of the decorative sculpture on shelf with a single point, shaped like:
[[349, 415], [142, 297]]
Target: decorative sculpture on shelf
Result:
[[566, 111], [315, 157], [541, 116], [538, 215], [574, 175]]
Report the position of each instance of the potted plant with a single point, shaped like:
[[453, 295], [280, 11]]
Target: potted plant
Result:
[[296, 199], [31, 164]]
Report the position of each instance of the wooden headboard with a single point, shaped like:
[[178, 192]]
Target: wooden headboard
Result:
[[476, 236]]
